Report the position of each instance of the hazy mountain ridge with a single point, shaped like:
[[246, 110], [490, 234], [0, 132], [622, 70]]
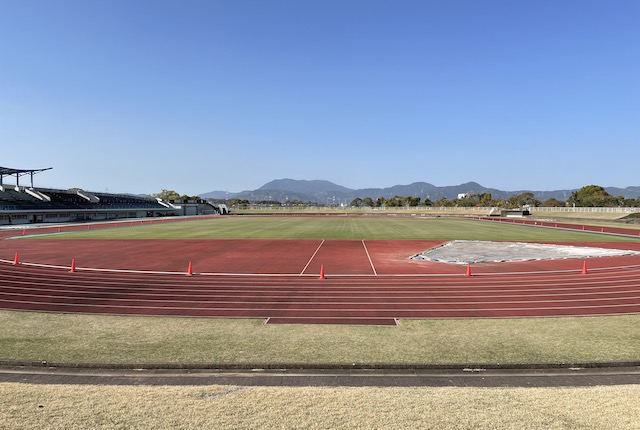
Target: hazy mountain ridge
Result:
[[321, 191]]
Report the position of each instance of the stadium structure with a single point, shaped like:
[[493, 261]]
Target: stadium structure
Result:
[[21, 204]]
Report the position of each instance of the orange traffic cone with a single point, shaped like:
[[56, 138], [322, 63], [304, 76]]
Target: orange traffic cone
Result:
[[16, 259], [468, 269], [190, 269], [73, 265], [584, 267], [322, 271]]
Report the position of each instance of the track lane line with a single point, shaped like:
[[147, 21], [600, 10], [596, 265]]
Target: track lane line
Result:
[[312, 257], [369, 257]]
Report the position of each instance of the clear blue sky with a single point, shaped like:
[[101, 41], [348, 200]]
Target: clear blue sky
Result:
[[195, 96]]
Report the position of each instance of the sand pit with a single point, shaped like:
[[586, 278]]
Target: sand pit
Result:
[[472, 251]]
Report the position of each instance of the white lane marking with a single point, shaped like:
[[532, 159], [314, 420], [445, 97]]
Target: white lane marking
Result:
[[312, 257], [369, 257], [350, 311]]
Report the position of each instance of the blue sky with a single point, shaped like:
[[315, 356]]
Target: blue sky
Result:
[[195, 96]]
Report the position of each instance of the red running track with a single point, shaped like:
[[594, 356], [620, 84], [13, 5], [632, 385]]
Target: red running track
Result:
[[370, 282], [335, 299]]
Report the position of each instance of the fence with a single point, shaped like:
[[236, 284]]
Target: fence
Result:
[[434, 209], [584, 209]]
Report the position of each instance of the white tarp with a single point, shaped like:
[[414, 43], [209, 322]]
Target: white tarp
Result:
[[474, 251]]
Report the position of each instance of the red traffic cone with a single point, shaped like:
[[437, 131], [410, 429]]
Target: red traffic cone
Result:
[[73, 265], [322, 271], [468, 269], [190, 269], [16, 259], [584, 267]]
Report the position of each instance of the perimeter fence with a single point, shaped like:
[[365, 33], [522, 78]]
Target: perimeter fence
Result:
[[453, 209]]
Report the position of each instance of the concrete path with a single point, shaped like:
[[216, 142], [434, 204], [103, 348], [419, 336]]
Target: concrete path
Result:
[[328, 378]]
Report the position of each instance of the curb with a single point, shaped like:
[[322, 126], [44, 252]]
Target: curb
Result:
[[323, 366]]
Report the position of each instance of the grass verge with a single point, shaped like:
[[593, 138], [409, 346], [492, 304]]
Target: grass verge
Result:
[[225, 407], [140, 340]]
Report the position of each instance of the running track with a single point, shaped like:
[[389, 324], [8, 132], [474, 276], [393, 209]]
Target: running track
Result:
[[366, 282]]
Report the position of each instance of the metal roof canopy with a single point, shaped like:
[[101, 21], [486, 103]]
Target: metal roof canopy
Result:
[[6, 171]]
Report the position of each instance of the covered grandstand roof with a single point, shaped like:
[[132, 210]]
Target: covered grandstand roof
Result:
[[7, 171]]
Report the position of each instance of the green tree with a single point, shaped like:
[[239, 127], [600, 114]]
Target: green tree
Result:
[[482, 199], [357, 202], [630, 203], [443, 202], [395, 201], [167, 195], [593, 196], [553, 203], [467, 201], [523, 199], [238, 202], [413, 201], [485, 199], [368, 202]]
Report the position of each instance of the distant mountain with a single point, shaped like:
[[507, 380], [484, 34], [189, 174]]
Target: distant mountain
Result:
[[320, 191], [305, 187]]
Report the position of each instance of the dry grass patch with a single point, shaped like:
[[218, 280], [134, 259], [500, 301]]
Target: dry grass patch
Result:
[[112, 339], [224, 407]]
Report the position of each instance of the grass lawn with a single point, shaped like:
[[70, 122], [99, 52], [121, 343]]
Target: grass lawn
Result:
[[320, 227], [139, 340], [230, 407]]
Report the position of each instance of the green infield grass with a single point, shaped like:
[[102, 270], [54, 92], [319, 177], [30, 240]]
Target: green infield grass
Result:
[[336, 227]]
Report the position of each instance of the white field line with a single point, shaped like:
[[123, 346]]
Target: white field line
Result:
[[348, 311], [369, 257], [503, 285], [275, 294], [345, 297], [311, 259], [361, 304], [484, 282], [362, 275], [583, 287]]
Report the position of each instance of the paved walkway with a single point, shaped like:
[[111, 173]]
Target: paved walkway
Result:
[[328, 378]]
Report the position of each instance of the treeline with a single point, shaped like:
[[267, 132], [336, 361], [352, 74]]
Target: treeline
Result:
[[171, 195], [470, 200], [588, 196]]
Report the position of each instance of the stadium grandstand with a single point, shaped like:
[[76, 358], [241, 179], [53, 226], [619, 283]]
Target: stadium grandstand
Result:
[[21, 204]]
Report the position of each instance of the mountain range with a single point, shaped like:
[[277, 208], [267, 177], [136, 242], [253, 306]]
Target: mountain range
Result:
[[325, 192]]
